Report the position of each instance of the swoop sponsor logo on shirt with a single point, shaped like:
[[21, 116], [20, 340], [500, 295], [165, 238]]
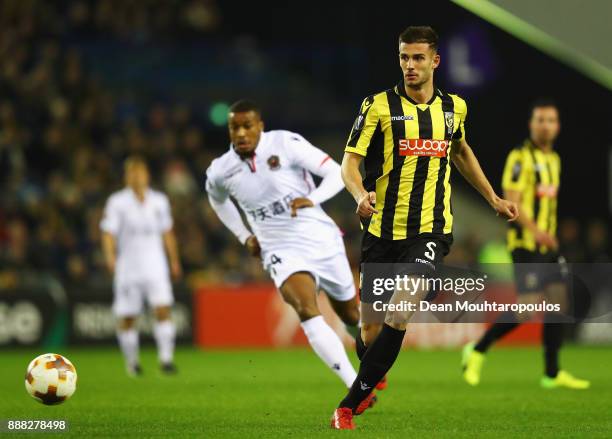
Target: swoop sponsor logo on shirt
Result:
[[423, 147]]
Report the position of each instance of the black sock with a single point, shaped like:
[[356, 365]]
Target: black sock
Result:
[[552, 339], [497, 331], [360, 346], [378, 359]]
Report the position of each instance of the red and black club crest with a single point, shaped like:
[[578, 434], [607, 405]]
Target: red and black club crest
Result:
[[273, 162]]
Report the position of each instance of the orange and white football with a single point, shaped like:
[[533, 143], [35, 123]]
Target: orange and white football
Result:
[[51, 379]]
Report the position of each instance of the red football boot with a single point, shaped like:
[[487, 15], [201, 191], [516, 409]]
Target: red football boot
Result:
[[342, 419], [382, 384], [366, 404]]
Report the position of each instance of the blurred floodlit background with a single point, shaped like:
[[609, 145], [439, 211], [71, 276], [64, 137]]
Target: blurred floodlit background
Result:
[[83, 84]]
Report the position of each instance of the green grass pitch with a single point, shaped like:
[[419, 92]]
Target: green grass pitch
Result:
[[246, 394]]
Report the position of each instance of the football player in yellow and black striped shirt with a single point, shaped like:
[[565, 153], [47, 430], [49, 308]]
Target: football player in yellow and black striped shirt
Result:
[[531, 178], [406, 136]]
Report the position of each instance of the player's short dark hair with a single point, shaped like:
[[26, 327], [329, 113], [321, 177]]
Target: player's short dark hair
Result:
[[542, 103], [244, 106], [420, 34]]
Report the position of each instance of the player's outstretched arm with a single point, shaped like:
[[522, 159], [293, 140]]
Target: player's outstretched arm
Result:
[[465, 160], [228, 213], [173, 254], [353, 181], [226, 210], [108, 249]]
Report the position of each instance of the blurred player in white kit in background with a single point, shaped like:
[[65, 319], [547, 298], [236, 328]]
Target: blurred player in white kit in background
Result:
[[269, 176], [137, 235]]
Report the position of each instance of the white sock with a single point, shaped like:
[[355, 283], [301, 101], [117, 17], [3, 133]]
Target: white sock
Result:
[[128, 342], [327, 345], [164, 333]]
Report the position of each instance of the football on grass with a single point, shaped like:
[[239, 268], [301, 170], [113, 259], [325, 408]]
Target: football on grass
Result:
[[51, 379]]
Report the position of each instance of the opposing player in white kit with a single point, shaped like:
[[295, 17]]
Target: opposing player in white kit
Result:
[[137, 227], [269, 175]]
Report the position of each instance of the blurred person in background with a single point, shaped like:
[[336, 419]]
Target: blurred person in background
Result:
[[597, 242], [570, 243], [531, 179], [65, 127], [137, 228], [269, 175]]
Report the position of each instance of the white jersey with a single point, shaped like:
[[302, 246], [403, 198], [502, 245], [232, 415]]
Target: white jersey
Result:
[[138, 228], [264, 186]]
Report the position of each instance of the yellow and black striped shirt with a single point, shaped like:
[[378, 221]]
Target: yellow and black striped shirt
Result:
[[536, 175], [406, 148]]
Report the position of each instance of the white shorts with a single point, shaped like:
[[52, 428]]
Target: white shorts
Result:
[[332, 273], [130, 295]]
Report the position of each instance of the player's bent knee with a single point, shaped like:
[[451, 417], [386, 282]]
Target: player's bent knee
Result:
[[397, 319], [305, 307], [301, 297], [162, 313], [126, 323], [307, 312]]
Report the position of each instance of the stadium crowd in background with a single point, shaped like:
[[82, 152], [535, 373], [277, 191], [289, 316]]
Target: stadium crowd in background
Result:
[[64, 134]]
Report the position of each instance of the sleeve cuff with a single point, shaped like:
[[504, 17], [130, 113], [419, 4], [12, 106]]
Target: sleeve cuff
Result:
[[355, 150], [244, 236]]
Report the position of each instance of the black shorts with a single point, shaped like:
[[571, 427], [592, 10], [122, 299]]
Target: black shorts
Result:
[[384, 258], [426, 249], [534, 271]]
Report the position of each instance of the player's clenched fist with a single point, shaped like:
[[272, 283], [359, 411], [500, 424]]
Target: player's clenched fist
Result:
[[252, 245], [505, 208], [365, 205]]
